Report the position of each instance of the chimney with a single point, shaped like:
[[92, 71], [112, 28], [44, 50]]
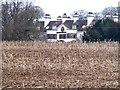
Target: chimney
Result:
[[90, 18], [47, 19]]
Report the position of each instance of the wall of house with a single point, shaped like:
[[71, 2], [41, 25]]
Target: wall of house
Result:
[[71, 31], [80, 34], [115, 18], [58, 33], [75, 19], [89, 20], [51, 32], [71, 35], [66, 40], [59, 28]]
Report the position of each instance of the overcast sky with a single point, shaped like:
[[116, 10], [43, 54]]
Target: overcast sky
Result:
[[58, 7]]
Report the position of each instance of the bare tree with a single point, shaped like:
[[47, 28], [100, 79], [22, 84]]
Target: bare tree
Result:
[[110, 11], [81, 13], [17, 19]]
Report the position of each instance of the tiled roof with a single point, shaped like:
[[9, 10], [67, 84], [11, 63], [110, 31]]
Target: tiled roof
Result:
[[93, 22], [68, 23], [80, 23], [53, 23]]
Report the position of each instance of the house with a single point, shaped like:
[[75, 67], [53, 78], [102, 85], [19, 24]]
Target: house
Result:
[[112, 17], [81, 29], [61, 31], [66, 28]]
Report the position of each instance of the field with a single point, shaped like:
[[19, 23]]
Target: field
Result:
[[75, 64]]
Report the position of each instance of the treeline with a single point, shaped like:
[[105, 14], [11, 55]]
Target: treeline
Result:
[[103, 30], [18, 20]]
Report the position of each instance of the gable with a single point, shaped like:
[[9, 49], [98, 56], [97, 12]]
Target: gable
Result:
[[62, 28]]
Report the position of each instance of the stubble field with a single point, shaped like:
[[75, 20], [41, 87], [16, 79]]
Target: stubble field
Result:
[[57, 65]]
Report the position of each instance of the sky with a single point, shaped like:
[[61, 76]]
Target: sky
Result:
[[58, 7]]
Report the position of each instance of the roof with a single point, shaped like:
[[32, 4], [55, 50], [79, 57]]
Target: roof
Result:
[[93, 22], [68, 23], [80, 23], [53, 23]]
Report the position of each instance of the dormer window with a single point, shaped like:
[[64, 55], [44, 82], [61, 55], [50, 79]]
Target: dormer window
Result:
[[54, 27], [74, 27]]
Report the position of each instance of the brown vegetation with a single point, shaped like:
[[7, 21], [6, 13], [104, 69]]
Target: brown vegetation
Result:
[[41, 64]]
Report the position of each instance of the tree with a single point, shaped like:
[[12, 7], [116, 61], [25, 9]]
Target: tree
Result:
[[105, 29], [18, 19], [82, 13], [110, 11], [98, 16]]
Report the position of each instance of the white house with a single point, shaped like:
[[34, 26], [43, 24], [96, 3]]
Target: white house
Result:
[[65, 31], [59, 31], [66, 28]]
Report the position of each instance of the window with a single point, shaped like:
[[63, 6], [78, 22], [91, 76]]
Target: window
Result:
[[74, 27], [71, 35], [51, 36], [54, 27], [62, 36]]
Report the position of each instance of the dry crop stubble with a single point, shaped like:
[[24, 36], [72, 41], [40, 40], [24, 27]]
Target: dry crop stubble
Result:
[[42, 64]]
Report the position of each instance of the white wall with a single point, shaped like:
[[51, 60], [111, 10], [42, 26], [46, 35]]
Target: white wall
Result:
[[59, 28], [46, 22], [67, 40], [75, 19], [51, 32], [80, 34], [65, 30], [71, 31], [89, 20], [115, 18]]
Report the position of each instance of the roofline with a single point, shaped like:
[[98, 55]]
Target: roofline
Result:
[[61, 25]]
